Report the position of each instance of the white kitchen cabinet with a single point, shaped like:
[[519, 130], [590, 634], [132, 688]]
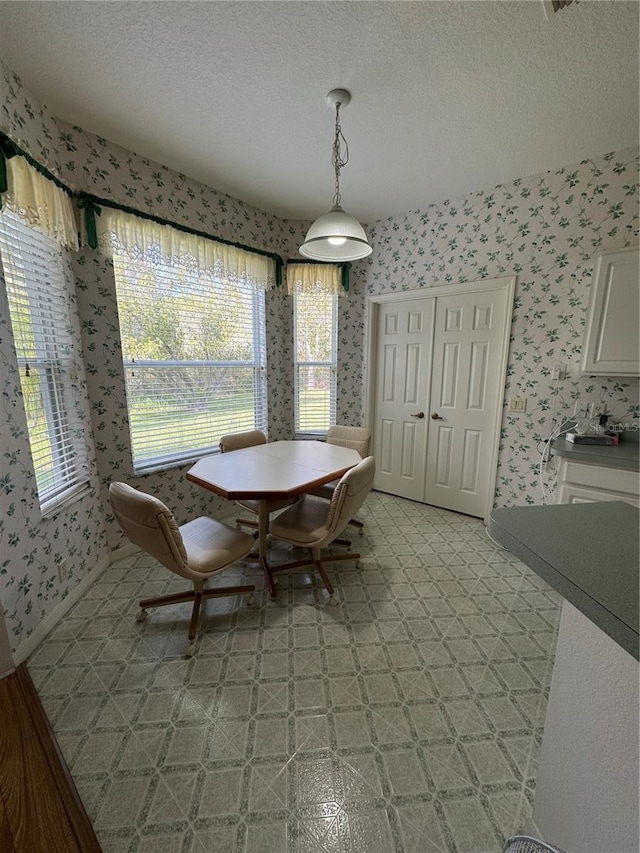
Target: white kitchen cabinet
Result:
[[580, 482], [612, 338]]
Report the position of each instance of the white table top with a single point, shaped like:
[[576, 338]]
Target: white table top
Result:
[[278, 469]]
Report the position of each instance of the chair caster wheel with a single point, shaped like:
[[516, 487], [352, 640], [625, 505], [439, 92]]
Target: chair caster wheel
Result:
[[142, 615], [251, 599], [190, 650], [333, 601]]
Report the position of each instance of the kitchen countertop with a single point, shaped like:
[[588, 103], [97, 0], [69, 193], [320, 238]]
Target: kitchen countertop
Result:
[[588, 552], [624, 455]]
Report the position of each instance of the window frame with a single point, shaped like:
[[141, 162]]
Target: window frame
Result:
[[54, 360], [332, 364], [144, 464]]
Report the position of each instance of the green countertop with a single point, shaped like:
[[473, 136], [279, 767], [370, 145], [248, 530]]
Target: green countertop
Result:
[[588, 552], [624, 455]]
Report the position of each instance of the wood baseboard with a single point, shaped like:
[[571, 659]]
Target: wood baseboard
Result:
[[40, 808]]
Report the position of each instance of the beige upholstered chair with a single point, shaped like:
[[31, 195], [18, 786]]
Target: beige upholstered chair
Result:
[[197, 550], [237, 441], [314, 524], [356, 438]]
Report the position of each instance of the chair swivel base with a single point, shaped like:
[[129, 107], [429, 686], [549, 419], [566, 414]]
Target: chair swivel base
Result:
[[246, 522], [330, 558], [196, 597]]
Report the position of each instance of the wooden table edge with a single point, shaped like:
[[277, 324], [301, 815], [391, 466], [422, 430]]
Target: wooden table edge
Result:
[[271, 494]]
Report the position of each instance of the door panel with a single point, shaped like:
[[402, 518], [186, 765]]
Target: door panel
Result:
[[403, 369], [384, 456], [470, 460], [467, 354], [413, 375], [443, 459], [477, 375], [389, 374]]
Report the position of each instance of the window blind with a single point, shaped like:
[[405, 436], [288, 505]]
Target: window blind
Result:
[[194, 354], [41, 312], [316, 355]]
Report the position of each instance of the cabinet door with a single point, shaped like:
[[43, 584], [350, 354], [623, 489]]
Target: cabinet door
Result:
[[611, 343], [569, 494]]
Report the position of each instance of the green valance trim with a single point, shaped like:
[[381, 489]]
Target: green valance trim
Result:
[[9, 149], [346, 267], [92, 204], [344, 272], [91, 210]]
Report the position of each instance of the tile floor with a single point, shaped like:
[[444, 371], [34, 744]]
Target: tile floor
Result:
[[407, 719]]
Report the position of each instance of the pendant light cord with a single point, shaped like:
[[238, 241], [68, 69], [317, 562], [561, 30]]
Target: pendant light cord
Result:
[[338, 158]]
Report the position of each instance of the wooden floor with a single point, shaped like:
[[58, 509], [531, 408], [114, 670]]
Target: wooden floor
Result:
[[40, 809]]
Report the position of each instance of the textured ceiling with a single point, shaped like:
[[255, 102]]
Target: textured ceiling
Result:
[[448, 97]]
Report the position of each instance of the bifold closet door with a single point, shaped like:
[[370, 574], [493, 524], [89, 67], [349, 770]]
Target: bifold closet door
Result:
[[466, 390], [403, 368], [439, 382]]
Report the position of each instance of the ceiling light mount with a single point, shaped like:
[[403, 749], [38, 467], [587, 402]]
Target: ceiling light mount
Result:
[[335, 236], [338, 98]]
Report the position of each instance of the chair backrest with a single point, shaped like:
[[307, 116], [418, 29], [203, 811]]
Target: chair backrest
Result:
[[356, 438], [238, 440], [150, 525], [349, 495]]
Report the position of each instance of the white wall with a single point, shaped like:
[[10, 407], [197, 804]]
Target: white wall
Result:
[[587, 787]]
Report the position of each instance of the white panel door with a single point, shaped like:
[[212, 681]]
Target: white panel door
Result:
[[403, 367], [466, 389]]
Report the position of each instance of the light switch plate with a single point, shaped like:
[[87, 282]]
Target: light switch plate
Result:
[[517, 404]]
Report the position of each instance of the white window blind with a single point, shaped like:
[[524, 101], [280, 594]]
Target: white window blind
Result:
[[42, 319], [316, 356], [194, 354]]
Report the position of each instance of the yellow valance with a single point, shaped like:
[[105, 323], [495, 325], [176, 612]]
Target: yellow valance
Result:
[[40, 203], [314, 278], [144, 239]]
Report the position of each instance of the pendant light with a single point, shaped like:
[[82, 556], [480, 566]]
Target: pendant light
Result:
[[335, 236]]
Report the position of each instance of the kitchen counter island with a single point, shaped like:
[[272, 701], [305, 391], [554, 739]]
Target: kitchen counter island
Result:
[[587, 787], [588, 552]]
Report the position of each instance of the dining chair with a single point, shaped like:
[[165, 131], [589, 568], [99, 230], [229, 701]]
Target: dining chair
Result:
[[356, 438], [315, 524], [238, 441], [196, 551]]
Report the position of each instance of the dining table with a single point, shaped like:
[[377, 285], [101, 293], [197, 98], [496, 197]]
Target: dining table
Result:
[[272, 471]]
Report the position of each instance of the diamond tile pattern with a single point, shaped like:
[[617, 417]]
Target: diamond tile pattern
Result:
[[406, 720]]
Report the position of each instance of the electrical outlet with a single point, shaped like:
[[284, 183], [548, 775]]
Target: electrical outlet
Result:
[[63, 571], [517, 404], [598, 409]]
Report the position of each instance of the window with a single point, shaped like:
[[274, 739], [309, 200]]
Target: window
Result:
[[42, 317], [193, 348], [316, 357]]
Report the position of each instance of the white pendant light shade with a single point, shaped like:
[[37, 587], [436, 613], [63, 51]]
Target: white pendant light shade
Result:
[[335, 236]]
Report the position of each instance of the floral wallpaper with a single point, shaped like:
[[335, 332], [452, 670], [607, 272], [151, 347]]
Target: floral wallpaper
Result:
[[32, 547], [112, 172], [83, 534], [545, 229]]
